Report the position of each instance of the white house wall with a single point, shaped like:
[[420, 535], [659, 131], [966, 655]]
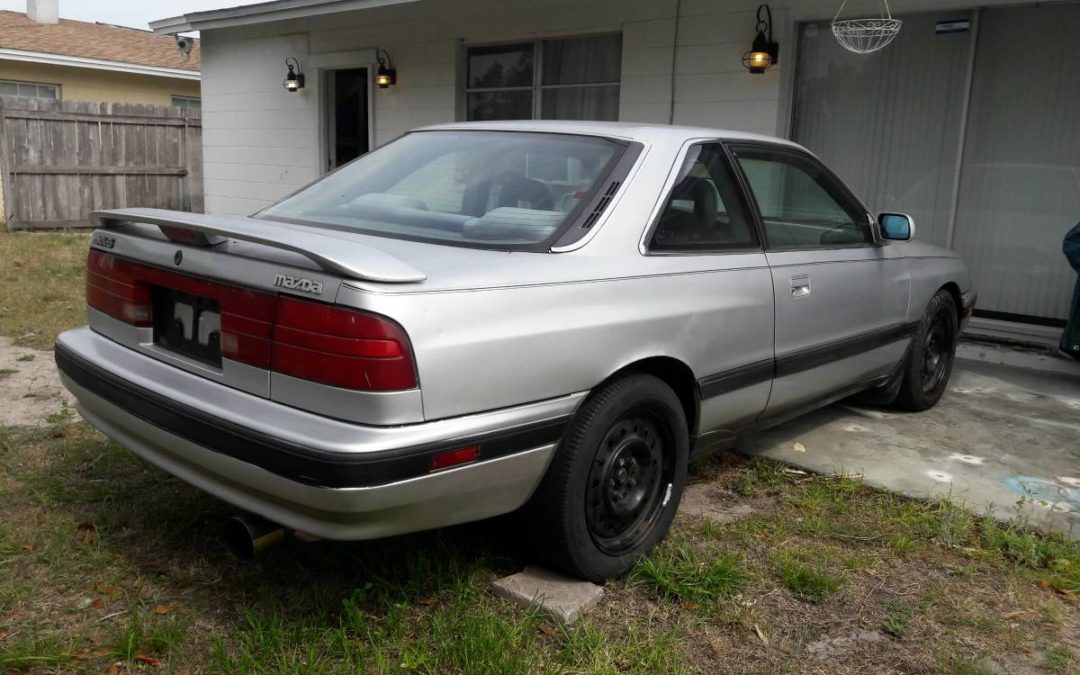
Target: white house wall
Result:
[[262, 142]]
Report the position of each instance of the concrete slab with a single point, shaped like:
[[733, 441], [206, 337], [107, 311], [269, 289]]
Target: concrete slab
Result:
[[561, 598], [1003, 440]]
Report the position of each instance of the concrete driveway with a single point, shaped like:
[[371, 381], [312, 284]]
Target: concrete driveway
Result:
[[1005, 439]]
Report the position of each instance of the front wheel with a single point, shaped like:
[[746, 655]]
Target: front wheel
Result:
[[930, 357], [615, 482]]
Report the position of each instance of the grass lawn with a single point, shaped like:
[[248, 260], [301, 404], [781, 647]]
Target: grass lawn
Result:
[[109, 565], [41, 285]]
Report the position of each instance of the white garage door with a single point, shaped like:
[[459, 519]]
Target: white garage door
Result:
[[974, 132]]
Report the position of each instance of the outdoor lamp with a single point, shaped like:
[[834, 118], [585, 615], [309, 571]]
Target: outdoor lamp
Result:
[[294, 81], [764, 52], [386, 75]]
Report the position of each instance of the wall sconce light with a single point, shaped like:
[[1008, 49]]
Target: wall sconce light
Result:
[[386, 75], [294, 80], [764, 53]]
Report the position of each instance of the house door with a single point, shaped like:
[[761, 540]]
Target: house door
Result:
[[347, 116]]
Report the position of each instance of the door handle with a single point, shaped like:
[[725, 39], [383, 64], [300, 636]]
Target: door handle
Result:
[[800, 286]]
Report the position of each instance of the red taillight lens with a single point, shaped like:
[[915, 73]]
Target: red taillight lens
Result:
[[113, 286], [341, 347], [309, 340]]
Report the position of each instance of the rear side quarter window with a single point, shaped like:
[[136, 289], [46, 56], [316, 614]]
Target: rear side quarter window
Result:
[[705, 210]]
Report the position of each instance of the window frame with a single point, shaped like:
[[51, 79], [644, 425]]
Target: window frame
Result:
[[672, 182], [173, 98], [843, 193], [537, 88], [56, 87]]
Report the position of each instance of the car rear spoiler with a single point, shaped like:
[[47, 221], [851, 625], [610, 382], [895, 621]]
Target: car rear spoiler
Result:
[[334, 252]]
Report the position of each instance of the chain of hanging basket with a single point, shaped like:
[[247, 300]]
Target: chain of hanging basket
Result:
[[864, 36]]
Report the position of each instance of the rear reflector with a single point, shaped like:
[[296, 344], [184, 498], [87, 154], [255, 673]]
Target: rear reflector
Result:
[[445, 460], [313, 341]]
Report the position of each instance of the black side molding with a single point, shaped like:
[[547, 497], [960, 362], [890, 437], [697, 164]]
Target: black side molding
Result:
[[820, 355], [797, 362], [302, 464]]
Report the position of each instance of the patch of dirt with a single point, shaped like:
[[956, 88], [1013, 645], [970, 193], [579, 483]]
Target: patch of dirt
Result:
[[832, 647], [710, 500], [29, 387]]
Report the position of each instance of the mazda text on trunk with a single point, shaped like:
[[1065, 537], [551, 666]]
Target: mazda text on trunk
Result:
[[551, 318]]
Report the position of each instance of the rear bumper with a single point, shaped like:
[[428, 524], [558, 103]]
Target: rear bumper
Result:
[[329, 478]]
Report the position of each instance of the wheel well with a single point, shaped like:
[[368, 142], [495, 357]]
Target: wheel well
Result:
[[958, 300], [676, 375]]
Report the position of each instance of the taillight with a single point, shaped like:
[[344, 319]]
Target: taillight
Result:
[[341, 347], [323, 343], [113, 286]]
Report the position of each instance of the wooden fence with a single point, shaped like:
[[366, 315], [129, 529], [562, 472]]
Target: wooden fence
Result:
[[60, 160]]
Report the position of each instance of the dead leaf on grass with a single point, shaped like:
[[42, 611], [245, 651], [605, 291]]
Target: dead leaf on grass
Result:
[[426, 602], [147, 660], [165, 608], [98, 603], [27, 548], [88, 653], [86, 534], [761, 635], [112, 670]]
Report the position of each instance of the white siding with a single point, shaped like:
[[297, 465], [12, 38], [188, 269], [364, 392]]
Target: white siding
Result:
[[262, 142]]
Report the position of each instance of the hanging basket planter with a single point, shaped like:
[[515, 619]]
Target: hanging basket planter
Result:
[[863, 36]]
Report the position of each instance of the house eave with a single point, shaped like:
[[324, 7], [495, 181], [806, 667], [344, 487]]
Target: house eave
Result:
[[277, 10], [97, 64]]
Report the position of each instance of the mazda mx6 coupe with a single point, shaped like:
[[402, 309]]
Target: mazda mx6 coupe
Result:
[[551, 318]]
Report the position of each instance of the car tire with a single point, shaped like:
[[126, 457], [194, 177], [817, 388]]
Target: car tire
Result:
[[930, 356], [614, 484]]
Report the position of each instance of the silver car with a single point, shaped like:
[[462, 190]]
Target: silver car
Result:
[[480, 318]]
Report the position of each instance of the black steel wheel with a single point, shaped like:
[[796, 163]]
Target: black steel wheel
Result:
[[629, 482], [937, 349], [930, 358], [614, 484]]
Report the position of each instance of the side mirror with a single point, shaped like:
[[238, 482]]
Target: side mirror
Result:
[[897, 226]]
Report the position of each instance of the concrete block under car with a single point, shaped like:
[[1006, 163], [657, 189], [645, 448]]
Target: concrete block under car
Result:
[[560, 597]]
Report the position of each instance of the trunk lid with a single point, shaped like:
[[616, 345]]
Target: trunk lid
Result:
[[210, 295]]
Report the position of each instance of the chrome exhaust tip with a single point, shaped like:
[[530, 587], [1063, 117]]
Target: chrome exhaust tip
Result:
[[248, 536]]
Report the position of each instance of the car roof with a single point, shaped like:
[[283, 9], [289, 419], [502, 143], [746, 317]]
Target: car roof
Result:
[[633, 131]]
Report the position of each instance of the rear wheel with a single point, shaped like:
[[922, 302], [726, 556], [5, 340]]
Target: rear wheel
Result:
[[930, 357], [614, 484]]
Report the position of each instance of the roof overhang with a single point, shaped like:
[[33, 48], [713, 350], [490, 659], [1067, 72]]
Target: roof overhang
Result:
[[97, 64], [278, 10]]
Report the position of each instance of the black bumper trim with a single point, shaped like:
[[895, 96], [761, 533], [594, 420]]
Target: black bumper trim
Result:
[[289, 460]]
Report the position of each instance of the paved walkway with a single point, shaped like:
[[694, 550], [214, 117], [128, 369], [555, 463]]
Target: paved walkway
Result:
[[1005, 438]]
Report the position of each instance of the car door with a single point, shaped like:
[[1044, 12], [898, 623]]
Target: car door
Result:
[[840, 298], [706, 221]]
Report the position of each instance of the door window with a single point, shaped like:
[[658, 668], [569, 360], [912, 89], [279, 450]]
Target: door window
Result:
[[801, 204], [704, 210]]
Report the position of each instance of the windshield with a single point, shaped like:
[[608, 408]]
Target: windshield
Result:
[[486, 189]]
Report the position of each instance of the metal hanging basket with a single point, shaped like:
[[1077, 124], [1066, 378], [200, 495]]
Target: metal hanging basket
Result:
[[864, 36]]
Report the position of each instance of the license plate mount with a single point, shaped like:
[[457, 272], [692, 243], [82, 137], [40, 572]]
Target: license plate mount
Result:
[[187, 324]]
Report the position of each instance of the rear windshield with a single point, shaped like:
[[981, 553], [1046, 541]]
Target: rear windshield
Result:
[[487, 189]]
